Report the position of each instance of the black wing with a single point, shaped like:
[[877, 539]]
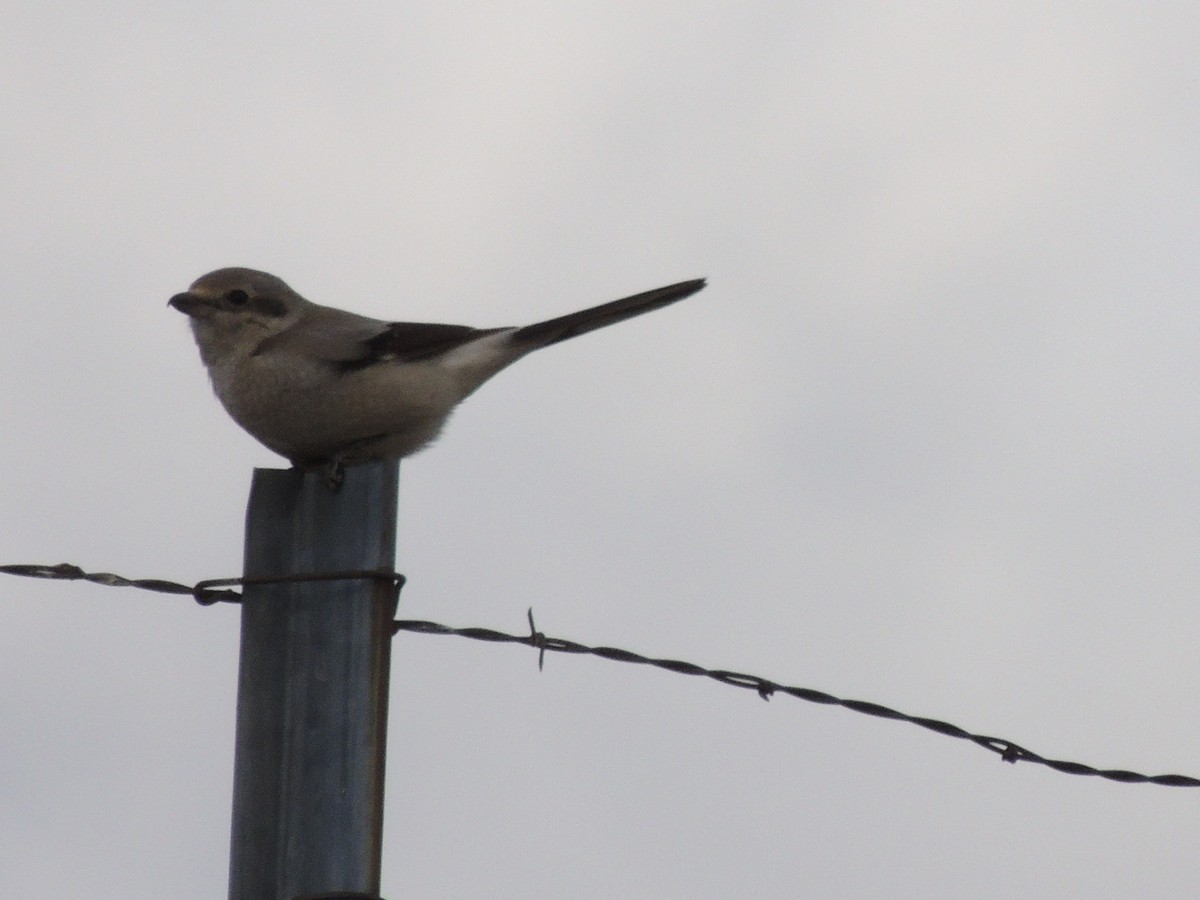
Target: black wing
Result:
[[412, 342]]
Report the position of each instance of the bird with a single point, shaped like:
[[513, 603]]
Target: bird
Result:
[[324, 387]]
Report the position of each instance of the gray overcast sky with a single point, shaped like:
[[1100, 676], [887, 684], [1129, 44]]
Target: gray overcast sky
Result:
[[929, 438]]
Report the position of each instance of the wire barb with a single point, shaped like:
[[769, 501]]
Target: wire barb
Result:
[[212, 590], [537, 639]]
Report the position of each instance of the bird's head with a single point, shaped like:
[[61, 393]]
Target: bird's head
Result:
[[232, 311]]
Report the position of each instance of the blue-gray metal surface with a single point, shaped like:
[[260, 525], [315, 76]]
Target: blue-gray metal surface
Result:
[[313, 686]]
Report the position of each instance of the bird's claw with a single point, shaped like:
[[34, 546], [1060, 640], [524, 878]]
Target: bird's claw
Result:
[[335, 473]]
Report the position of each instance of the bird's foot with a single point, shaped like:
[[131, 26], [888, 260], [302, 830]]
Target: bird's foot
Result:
[[335, 473]]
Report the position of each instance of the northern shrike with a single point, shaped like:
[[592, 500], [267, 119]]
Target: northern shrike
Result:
[[319, 385]]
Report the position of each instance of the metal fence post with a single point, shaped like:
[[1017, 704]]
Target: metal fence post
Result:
[[313, 686]]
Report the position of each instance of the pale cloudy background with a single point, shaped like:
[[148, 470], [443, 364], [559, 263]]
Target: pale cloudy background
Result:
[[929, 438]]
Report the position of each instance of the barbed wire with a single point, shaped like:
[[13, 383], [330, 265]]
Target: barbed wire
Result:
[[216, 590], [1007, 750]]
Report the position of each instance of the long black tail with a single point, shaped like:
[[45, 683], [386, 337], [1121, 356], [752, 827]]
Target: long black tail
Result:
[[554, 330]]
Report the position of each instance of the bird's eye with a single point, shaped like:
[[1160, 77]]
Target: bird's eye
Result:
[[237, 297]]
